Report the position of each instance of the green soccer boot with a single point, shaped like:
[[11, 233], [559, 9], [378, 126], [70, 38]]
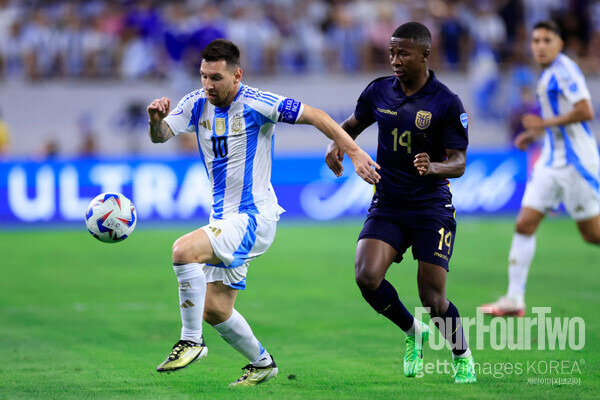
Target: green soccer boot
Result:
[[464, 370], [413, 356]]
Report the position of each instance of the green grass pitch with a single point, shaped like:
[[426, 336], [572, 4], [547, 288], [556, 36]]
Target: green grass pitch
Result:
[[81, 319]]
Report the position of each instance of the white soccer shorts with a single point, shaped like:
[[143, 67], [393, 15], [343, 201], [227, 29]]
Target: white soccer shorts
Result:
[[549, 187], [236, 240]]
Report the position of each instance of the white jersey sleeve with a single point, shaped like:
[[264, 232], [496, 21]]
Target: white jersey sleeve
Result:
[[180, 119], [570, 80], [274, 107]]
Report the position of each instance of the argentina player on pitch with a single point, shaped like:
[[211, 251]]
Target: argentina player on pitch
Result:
[[234, 124], [567, 170], [422, 141]]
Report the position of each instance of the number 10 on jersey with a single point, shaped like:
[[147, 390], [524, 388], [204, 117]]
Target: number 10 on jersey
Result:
[[219, 146]]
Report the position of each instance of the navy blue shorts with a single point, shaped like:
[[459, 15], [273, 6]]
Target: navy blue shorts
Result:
[[430, 233]]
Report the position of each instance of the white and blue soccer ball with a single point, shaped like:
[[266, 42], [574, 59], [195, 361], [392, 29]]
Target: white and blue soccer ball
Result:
[[110, 217]]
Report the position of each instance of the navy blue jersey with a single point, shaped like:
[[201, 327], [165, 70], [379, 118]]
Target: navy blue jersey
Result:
[[429, 121]]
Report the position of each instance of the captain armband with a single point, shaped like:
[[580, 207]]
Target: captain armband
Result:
[[289, 109]]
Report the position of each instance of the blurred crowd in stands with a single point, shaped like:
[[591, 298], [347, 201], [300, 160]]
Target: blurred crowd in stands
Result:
[[485, 41], [145, 39]]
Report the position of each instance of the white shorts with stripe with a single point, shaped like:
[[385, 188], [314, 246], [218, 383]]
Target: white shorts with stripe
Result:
[[549, 187], [236, 240]]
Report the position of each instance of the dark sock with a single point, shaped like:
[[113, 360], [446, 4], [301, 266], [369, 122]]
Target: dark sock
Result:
[[386, 302], [453, 330]]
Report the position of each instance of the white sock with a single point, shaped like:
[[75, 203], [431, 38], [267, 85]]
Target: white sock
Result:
[[413, 329], [520, 257], [463, 355], [238, 334], [192, 291]]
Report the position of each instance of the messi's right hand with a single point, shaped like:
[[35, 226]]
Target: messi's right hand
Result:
[[159, 109]]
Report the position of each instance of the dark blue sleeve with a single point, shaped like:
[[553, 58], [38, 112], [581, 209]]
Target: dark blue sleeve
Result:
[[455, 127], [364, 107]]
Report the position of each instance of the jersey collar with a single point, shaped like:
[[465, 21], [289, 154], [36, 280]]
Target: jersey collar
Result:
[[429, 87], [239, 91]]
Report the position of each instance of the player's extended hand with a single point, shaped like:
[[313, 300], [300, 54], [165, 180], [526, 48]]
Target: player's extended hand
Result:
[[159, 109], [524, 139], [365, 167], [422, 163], [532, 122], [334, 158]]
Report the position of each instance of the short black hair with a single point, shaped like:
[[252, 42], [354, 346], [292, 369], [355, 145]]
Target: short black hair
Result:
[[415, 31], [549, 25], [222, 49]]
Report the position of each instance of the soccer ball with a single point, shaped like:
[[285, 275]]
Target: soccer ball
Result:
[[110, 217]]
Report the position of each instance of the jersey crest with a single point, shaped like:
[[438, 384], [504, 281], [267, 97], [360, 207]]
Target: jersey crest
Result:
[[423, 119], [236, 124]]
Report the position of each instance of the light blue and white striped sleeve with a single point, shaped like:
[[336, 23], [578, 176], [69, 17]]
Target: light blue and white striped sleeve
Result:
[[571, 81], [274, 107], [180, 118]]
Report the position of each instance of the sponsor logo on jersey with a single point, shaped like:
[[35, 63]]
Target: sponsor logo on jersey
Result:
[[220, 126], [423, 119], [205, 124], [390, 112]]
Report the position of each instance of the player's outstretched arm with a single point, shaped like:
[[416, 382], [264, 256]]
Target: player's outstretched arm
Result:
[[453, 167], [335, 155], [159, 130], [362, 161]]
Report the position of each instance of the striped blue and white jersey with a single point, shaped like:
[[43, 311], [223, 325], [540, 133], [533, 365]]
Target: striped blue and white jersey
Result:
[[236, 146], [561, 85]]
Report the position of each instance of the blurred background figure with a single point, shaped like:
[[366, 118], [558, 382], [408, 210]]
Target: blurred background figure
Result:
[[88, 146], [4, 137], [48, 150]]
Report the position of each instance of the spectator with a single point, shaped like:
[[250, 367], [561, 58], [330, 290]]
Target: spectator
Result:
[[453, 38], [11, 52], [137, 56], [40, 42], [346, 41], [5, 137]]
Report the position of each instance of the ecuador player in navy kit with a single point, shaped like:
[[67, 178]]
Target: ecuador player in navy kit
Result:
[[422, 141]]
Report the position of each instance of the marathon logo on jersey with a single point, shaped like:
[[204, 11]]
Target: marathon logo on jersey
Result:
[[423, 119], [288, 111], [464, 120]]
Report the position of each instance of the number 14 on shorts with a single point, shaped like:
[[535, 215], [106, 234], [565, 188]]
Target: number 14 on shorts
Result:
[[445, 239]]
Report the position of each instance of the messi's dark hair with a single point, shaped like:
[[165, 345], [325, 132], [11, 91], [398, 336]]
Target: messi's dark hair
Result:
[[222, 49]]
